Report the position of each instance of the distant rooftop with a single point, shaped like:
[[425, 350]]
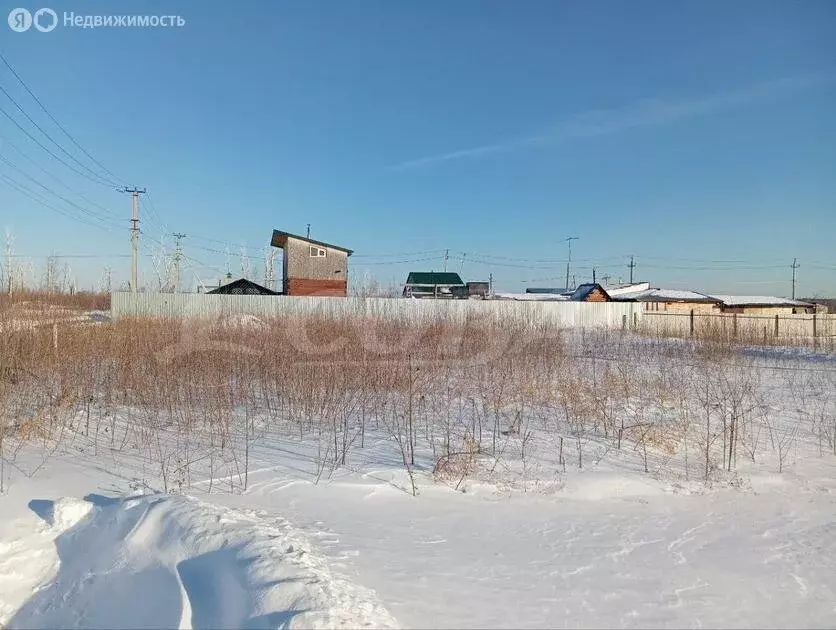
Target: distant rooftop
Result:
[[547, 290], [758, 300], [432, 278], [583, 291], [280, 240], [620, 289], [532, 297], [666, 295]]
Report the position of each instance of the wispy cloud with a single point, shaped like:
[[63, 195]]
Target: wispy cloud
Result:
[[645, 113]]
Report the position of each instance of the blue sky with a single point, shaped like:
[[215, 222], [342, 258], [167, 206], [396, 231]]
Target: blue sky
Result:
[[697, 136]]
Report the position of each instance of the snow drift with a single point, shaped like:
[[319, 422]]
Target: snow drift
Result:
[[173, 562]]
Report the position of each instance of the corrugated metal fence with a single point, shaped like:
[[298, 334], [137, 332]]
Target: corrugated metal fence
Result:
[[568, 314]]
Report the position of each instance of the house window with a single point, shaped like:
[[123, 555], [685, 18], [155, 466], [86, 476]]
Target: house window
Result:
[[317, 252]]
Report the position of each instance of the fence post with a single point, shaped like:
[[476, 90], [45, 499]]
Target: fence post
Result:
[[624, 322], [635, 321], [734, 325], [776, 325], [815, 341], [691, 319]]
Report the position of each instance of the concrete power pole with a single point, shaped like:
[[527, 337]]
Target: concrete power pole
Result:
[[795, 266], [631, 266], [135, 193], [446, 256], [178, 256], [569, 240]]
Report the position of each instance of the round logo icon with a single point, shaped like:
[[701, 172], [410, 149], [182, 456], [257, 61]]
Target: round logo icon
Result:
[[45, 20], [20, 20]]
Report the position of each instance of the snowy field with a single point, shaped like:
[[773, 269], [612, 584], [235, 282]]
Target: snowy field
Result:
[[695, 490]]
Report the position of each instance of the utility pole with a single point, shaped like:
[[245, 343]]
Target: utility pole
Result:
[[569, 240], [9, 243], [178, 256], [135, 193], [446, 256], [795, 266], [631, 266], [309, 230], [593, 276], [606, 279], [490, 283]]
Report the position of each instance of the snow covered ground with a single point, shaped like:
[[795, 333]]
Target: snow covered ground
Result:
[[87, 538], [161, 561], [80, 549]]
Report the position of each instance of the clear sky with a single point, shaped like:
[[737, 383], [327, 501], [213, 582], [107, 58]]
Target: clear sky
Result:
[[699, 137]]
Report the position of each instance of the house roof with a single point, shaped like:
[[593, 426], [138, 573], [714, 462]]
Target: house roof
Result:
[[242, 286], [280, 240], [666, 295], [548, 290], [758, 300], [531, 297], [620, 289], [583, 291], [433, 278]]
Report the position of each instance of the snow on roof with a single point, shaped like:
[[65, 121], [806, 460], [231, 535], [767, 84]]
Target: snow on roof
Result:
[[666, 295], [758, 300], [621, 289], [531, 297]]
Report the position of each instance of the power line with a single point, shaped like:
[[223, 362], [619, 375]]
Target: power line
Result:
[[49, 137], [104, 256], [54, 120], [153, 208], [397, 255], [28, 192], [55, 178], [55, 157], [91, 213], [149, 217]]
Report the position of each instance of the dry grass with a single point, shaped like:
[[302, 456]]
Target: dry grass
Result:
[[42, 301], [470, 397]]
